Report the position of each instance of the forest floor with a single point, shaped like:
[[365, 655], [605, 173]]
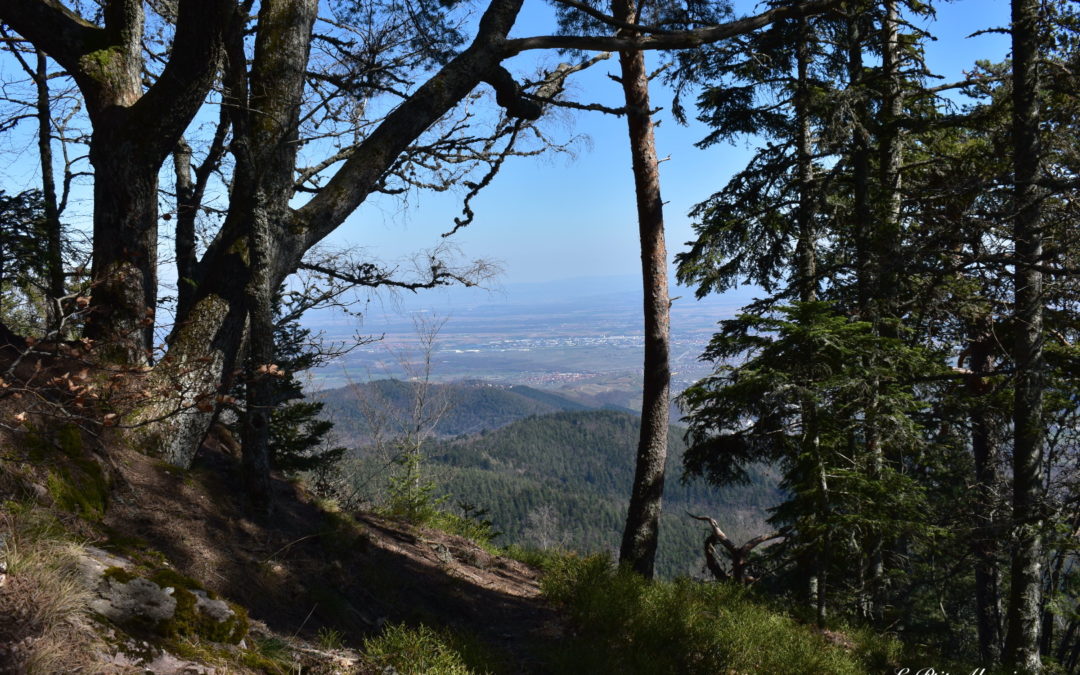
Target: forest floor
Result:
[[303, 568], [302, 573]]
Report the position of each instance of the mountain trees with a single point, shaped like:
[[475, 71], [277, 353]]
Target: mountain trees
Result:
[[901, 342], [145, 73]]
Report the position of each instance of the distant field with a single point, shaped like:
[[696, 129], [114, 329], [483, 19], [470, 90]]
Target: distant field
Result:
[[543, 337]]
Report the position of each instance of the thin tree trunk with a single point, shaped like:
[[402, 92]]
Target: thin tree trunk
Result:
[[1025, 597], [806, 283], [187, 206], [805, 249], [255, 433], [53, 234], [640, 535], [866, 272], [984, 544], [266, 127], [885, 257], [860, 167]]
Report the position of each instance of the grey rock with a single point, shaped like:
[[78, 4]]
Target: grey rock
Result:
[[218, 610], [136, 599]]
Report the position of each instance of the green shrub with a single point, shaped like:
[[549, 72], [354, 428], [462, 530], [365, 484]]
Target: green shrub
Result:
[[328, 638], [543, 558], [269, 654], [426, 651], [626, 624]]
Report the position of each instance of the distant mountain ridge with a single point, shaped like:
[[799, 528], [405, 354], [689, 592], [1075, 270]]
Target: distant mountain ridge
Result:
[[471, 406]]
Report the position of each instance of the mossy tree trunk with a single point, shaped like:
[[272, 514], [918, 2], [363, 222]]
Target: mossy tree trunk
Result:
[[1025, 595]]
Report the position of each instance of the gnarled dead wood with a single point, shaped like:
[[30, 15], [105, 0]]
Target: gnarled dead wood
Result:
[[739, 555]]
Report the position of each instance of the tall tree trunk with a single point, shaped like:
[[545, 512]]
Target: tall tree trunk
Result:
[[266, 125], [1025, 597], [124, 271], [53, 233], [806, 246], [866, 269], [640, 535], [806, 284], [255, 433], [860, 167], [885, 261]]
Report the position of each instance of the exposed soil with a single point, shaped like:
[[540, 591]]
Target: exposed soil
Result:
[[302, 568]]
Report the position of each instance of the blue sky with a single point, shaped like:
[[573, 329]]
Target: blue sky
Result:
[[557, 217]]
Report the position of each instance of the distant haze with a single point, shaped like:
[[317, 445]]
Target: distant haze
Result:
[[576, 334]]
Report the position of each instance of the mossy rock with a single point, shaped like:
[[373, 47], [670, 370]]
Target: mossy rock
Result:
[[200, 612], [169, 605]]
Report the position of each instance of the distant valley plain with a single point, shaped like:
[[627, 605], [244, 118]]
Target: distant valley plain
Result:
[[580, 337]]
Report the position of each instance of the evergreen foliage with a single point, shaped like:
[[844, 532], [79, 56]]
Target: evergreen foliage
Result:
[[880, 371], [565, 478], [300, 433], [23, 260]]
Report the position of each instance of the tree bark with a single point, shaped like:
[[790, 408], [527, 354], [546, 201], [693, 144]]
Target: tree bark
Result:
[[187, 209], [806, 285], [984, 452], [107, 65], [1025, 597], [53, 233], [266, 107], [806, 246], [640, 535]]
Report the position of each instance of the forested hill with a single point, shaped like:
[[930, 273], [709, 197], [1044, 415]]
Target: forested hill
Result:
[[454, 409], [564, 479]]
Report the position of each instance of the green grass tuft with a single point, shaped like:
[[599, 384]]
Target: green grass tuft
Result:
[[426, 651], [626, 624]]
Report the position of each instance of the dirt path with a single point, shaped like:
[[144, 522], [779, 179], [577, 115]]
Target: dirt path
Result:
[[303, 569]]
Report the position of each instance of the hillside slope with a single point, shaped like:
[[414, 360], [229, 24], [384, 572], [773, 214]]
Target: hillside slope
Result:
[[467, 407], [564, 479], [314, 582], [312, 590]]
